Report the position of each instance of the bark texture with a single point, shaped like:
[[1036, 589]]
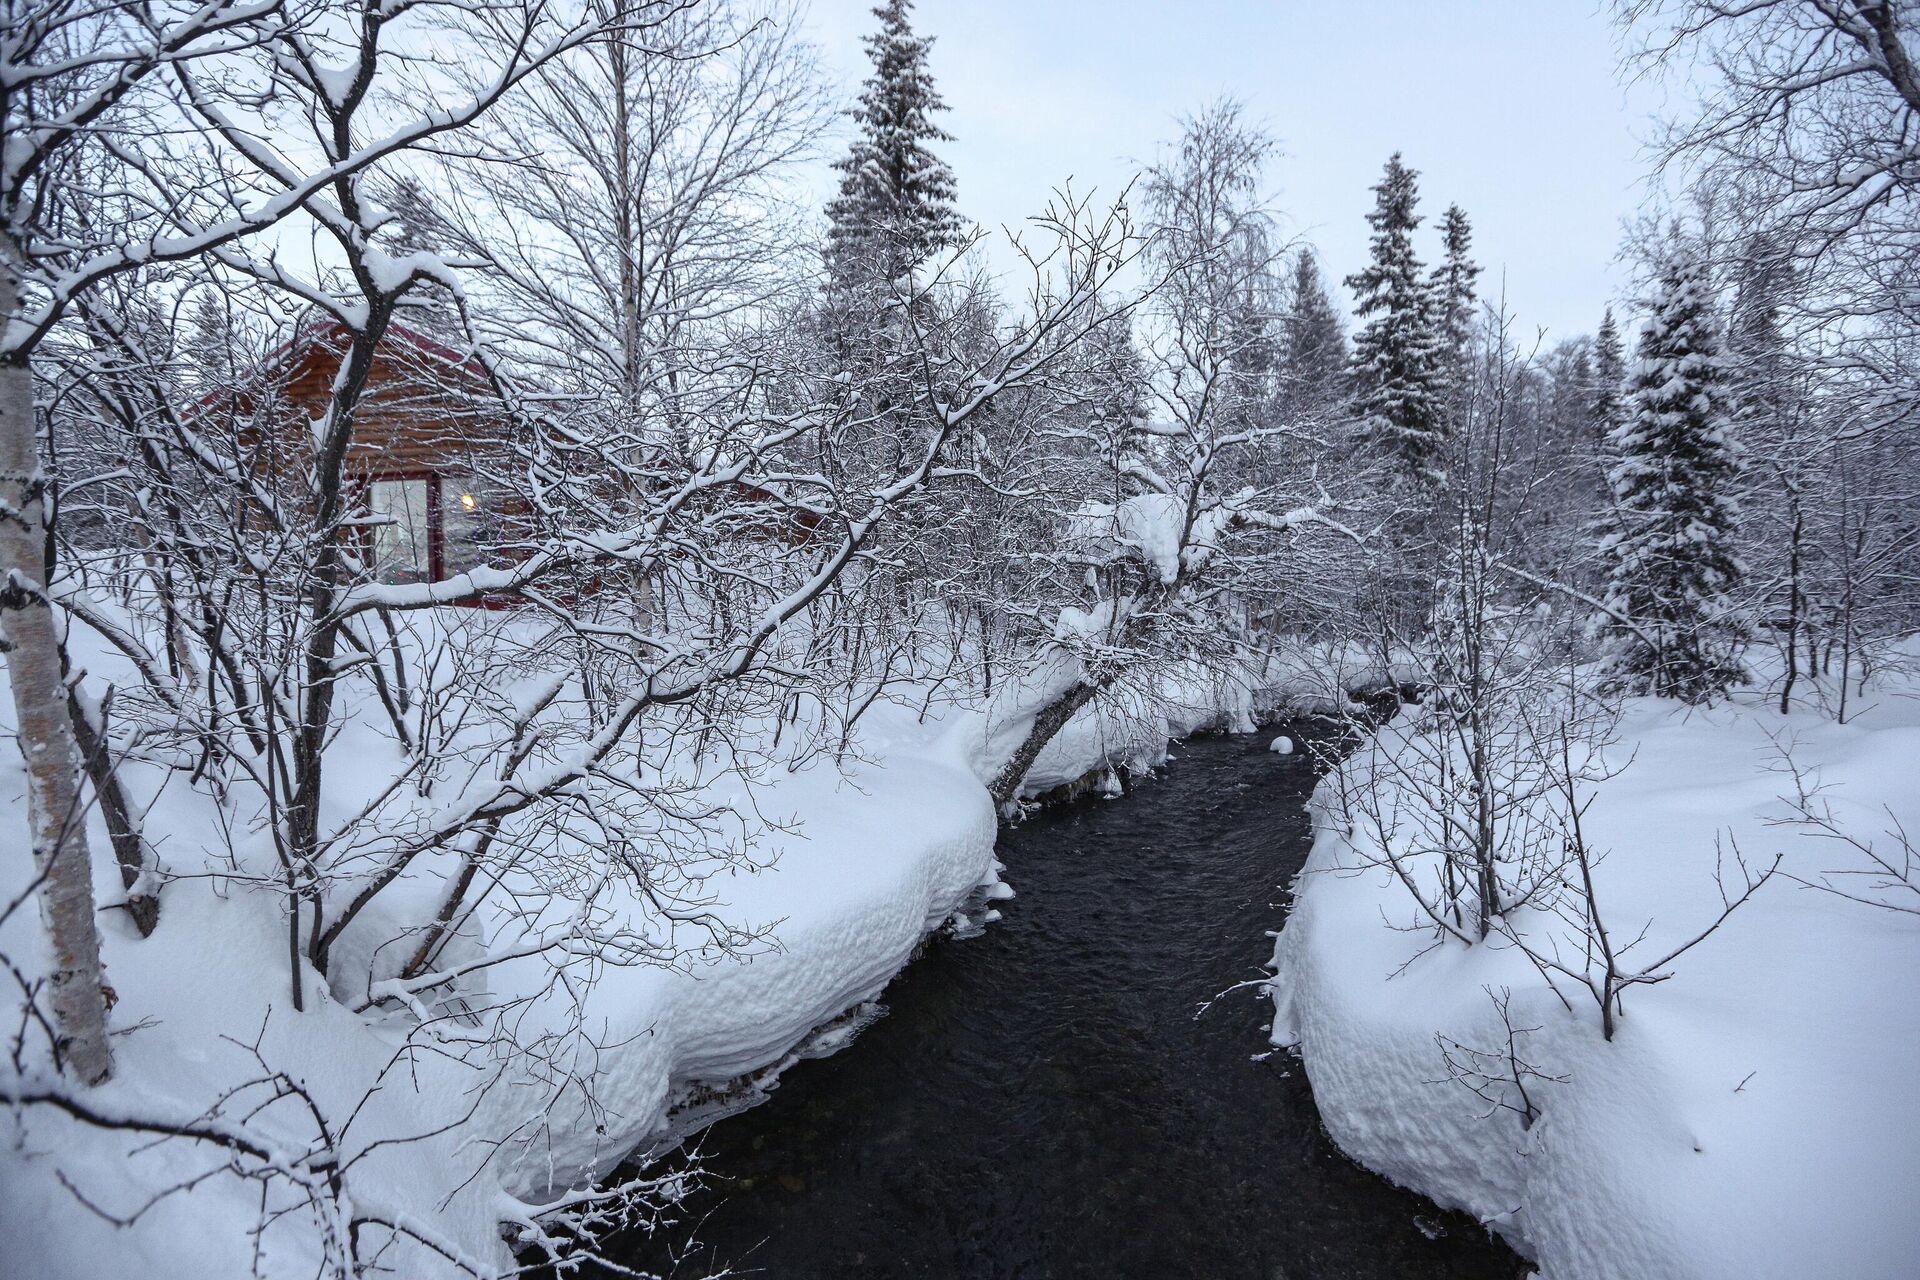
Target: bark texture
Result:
[[55, 818], [1051, 719], [130, 848]]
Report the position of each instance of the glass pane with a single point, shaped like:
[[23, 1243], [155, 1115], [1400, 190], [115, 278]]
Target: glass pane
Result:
[[469, 523], [400, 545]]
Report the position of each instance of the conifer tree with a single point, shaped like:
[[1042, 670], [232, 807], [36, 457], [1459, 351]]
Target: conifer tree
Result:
[[1397, 354], [1454, 295], [1762, 398], [418, 227], [208, 340], [1606, 410], [895, 205], [1570, 368], [1771, 409], [1670, 558], [1314, 354]]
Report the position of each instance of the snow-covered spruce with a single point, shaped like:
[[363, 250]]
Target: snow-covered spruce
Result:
[[1672, 570], [1399, 357]]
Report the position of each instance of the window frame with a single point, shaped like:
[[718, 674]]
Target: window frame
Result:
[[436, 562]]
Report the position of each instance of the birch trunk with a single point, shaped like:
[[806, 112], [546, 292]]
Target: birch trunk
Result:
[[1049, 722], [55, 817]]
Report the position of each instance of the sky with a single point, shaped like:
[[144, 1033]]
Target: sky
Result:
[[1511, 108]]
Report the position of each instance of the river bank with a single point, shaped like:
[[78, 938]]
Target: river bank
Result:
[[451, 1133], [1043, 1101], [1752, 1117]]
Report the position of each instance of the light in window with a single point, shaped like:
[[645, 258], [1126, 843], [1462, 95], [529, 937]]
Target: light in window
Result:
[[469, 523]]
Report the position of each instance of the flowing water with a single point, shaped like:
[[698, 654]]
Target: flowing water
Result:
[[1041, 1101]]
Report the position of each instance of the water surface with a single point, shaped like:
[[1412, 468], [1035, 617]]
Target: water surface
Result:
[[1041, 1101]]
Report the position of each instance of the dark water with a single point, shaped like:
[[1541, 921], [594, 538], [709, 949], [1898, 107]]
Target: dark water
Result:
[[1041, 1102]]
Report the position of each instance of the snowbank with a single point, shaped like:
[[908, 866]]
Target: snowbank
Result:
[[864, 863], [1130, 732], [1755, 1116], [880, 856]]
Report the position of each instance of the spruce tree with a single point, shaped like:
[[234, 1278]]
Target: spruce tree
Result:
[[1454, 295], [1763, 397], [417, 227], [1570, 370], [208, 341], [1397, 354], [1606, 410], [1671, 566], [1314, 352], [895, 206]]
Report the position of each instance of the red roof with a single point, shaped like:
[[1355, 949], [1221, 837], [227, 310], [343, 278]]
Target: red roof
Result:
[[328, 334]]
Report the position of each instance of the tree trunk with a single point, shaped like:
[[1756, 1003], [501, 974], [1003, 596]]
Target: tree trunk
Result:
[[1052, 718], [55, 819], [324, 580], [130, 848], [1794, 599]]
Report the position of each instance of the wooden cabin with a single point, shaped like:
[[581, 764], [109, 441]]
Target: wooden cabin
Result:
[[429, 430]]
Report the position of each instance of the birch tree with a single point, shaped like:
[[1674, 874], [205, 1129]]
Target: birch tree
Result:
[[76, 79], [91, 188], [1187, 526]]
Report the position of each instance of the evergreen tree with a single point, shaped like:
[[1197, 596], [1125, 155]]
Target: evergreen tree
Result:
[[1771, 410], [209, 341], [1670, 560], [1763, 398], [417, 227], [1454, 295], [1570, 367], [1606, 410], [1397, 354], [1314, 351], [895, 206]]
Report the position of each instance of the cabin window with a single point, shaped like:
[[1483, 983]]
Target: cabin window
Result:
[[402, 542], [469, 524], [431, 526]]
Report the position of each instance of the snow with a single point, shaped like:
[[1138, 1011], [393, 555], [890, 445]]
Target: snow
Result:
[[390, 272], [1149, 527], [863, 863], [1282, 745], [1753, 1117], [1131, 731]]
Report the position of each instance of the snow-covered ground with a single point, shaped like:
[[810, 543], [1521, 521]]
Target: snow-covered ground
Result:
[[1755, 1115], [864, 863]]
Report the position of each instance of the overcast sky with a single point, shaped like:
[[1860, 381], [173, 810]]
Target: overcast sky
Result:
[[1510, 108]]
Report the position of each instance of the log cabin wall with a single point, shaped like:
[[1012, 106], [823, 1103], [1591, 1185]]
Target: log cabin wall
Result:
[[428, 431]]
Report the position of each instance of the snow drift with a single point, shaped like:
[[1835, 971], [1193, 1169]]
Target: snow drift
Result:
[[862, 863], [1754, 1115]]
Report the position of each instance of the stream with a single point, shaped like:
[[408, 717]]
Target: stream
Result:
[[1041, 1101]]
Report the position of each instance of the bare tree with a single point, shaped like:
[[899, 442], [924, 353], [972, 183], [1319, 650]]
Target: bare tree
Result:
[[1881, 870], [1189, 508], [78, 78], [548, 770], [1814, 110], [1501, 1077], [644, 211]]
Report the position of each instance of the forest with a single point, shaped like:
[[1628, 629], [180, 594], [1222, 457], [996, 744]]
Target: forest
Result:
[[522, 621]]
